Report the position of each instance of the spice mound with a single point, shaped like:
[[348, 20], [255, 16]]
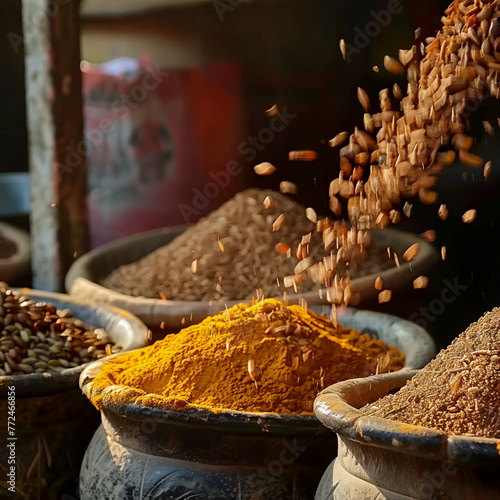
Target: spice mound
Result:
[[459, 391], [36, 337], [267, 357], [258, 240]]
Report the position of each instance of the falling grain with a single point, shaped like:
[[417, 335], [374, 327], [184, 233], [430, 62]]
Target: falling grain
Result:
[[265, 168], [394, 66], [279, 222], [407, 209], [269, 203], [421, 282], [487, 170], [469, 216], [311, 215], [411, 252], [339, 139], [469, 159], [221, 245], [443, 212], [364, 99], [488, 127], [443, 252], [429, 236], [342, 48], [287, 187], [379, 283], [272, 111], [283, 248], [384, 296], [194, 266], [302, 155]]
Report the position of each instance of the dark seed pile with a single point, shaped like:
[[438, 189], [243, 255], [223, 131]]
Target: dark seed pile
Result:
[[459, 391], [238, 249], [36, 337]]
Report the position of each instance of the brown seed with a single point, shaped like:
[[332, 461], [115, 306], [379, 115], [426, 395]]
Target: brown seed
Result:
[[411, 252], [446, 157], [282, 248], [287, 187], [394, 66], [269, 203], [469, 159], [455, 383], [488, 127], [311, 215], [462, 141], [427, 197], [302, 155], [382, 220], [345, 166], [375, 68], [368, 123], [362, 158], [443, 252], [342, 48], [272, 111], [429, 236], [487, 170], [303, 265], [279, 222], [194, 266], [265, 168], [221, 245], [407, 209], [397, 92], [384, 296], [364, 99], [334, 187], [396, 260], [469, 216], [338, 140], [335, 206], [443, 212], [379, 284], [420, 282], [395, 216]]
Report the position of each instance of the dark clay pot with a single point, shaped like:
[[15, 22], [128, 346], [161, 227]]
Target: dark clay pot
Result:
[[54, 421], [142, 452], [156, 454], [382, 459]]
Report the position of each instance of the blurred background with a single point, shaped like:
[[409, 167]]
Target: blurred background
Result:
[[175, 92]]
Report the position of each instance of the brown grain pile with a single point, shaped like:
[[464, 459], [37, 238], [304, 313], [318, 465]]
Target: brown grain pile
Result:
[[459, 391], [250, 243]]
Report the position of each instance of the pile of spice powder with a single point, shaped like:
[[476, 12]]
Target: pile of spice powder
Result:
[[459, 391], [265, 357]]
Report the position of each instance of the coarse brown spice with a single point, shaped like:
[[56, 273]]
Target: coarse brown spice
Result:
[[459, 391]]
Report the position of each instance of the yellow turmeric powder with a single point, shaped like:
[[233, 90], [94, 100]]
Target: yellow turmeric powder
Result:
[[267, 357]]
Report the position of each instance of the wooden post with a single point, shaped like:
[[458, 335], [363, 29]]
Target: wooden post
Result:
[[59, 231]]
